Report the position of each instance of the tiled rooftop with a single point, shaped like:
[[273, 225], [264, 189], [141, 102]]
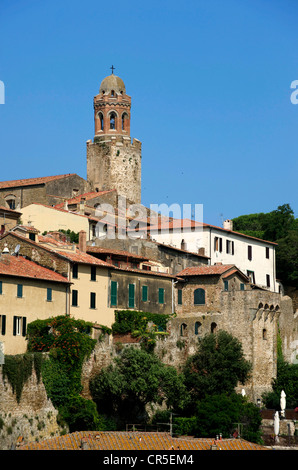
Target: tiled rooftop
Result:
[[96, 440], [32, 181], [216, 269], [21, 267]]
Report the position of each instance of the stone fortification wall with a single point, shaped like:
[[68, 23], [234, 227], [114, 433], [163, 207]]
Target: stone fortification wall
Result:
[[33, 418]]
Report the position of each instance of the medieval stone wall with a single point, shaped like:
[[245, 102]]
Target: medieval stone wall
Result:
[[115, 164]]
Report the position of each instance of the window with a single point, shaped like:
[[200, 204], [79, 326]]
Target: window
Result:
[[75, 271], [267, 280], [74, 298], [113, 293], [92, 300], [218, 244], [199, 297], [93, 273], [179, 296], [0, 287], [3, 324], [249, 252], [213, 327], [197, 327], [161, 296], [112, 121], [226, 286], [264, 334], [241, 286], [251, 276], [100, 117], [20, 290], [124, 121], [131, 296], [144, 293], [19, 326], [183, 329], [11, 203], [49, 294], [267, 252], [230, 247]]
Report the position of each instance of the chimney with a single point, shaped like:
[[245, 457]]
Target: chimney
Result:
[[82, 205], [82, 241], [228, 224]]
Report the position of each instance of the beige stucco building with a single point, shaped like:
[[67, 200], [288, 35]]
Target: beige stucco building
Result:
[[27, 292]]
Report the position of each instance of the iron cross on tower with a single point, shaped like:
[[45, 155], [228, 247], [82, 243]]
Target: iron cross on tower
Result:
[[113, 68]]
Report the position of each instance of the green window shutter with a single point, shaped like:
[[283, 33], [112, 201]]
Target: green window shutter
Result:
[[131, 296], [161, 296], [20, 290], [113, 294], [92, 300], [241, 286], [179, 296], [74, 298], [226, 285], [49, 294], [144, 293], [199, 297], [0, 287]]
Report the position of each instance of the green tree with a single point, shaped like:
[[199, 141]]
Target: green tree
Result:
[[135, 379], [221, 414], [216, 367], [287, 380]]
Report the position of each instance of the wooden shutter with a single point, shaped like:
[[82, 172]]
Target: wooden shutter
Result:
[[161, 295], [93, 273], [15, 326], [3, 324], [113, 293], [179, 296], [249, 252], [92, 299], [20, 290], [75, 298], [144, 293], [24, 325], [131, 296], [199, 297]]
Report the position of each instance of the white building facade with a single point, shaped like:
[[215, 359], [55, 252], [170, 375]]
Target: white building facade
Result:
[[253, 256]]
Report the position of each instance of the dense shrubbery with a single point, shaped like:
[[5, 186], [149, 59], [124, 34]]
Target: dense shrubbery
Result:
[[68, 343]]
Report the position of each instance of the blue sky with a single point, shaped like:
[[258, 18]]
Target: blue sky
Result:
[[210, 86]]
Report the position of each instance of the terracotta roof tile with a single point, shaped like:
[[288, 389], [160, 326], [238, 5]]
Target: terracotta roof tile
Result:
[[98, 249], [144, 441], [86, 196], [21, 267], [216, 269], [32, 181]]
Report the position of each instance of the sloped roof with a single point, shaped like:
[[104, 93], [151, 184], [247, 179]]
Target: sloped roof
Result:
[[86, 196], [97, 440], [183, 224], [32, 181], [216, 269], [22, 267]]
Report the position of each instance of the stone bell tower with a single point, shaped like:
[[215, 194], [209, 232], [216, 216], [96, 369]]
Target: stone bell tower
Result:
[[113, 160]]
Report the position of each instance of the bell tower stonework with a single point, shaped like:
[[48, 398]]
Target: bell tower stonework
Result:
[[113, 160]]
